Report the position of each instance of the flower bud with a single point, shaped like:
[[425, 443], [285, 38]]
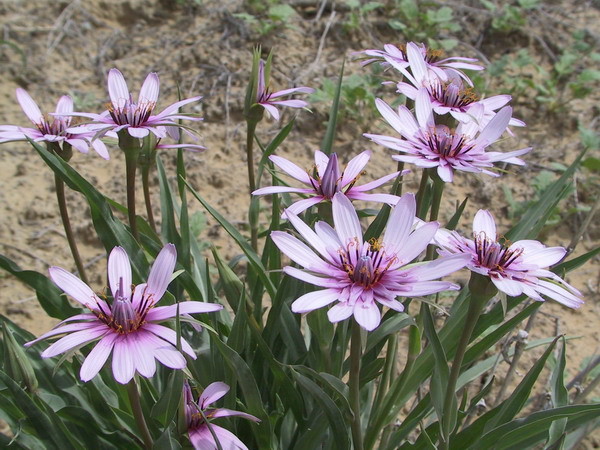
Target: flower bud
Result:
[[16, 362]]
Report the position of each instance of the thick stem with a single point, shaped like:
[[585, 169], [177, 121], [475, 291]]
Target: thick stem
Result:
[[138, 414], [147, 197], [131, 165], [438, 190], [482, 289], [354, 385], [421, 208], [64, 215], [251, 181]]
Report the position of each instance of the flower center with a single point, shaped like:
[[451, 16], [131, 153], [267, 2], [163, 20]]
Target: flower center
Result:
[[432, 56], [495, 255], [122, 317], [55, 128], [444, 142], [365, 266], [131, 113], [452, 95]]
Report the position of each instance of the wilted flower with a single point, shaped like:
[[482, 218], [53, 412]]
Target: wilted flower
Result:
[[514, 268], [426, 144], [200, 434], [443, 68], [330, 181], [136, 117], [52, 130], [128, 326], [357, 274]]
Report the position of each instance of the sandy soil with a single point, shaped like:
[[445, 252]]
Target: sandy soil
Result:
[[68, 47]]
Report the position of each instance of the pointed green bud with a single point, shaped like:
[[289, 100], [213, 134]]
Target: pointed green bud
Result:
[[147, 156], [16, 361]]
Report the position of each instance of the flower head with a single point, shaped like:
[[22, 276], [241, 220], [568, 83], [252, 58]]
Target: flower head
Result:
[[514, 268], [329, 181], [137, 117], [53, 130], [358, 274], [269, 100], [426, 144], [128, 327], [199, 431], [444, 68]]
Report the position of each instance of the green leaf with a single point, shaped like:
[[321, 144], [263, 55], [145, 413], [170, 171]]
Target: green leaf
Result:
[[253, 258], [333, 413], [249, 388], [48, 294], [525, 432], [453, 222], [560, 397], [327, 143], [509, 408], [536, 216], [441, 374], [165, 408], [35, 415]]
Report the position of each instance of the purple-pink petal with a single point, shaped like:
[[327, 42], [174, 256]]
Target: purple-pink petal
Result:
[[168, 335], [30, 108], [345, 219], [75, 339], [150, 89], [74, 287], [161, 272], [189, 307], [291, 169], [298, 252], [97, 357], [314, 300], [484, 223], [123, 364], [212, 393], [355, 167], [367, 315], [117, 88], [119, 268]]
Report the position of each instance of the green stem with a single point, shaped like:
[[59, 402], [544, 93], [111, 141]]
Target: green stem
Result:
[[64, 215], [131, 157], [251, 181], [147, 197], [354, 385], [482, 290], [138, 414], [397, 186], [421, 208], [390, 363], [438, 190]]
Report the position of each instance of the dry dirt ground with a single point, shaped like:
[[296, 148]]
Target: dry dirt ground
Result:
[[204, 47]]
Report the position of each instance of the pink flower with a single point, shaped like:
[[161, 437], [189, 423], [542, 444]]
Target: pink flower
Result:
[[426, 144], [128, 327], [136, 117], [330, 181], [53, 130], [268, 99], [357, 274], [515, 269], [443, 68], [446, 90], [198, 429]]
